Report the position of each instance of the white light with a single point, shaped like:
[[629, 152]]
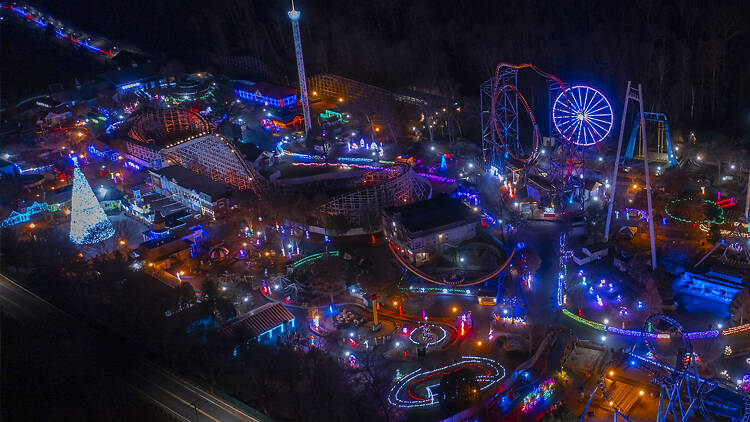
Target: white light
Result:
[[347, 353], [398, 344], [604, 338], [471, 165], [432, 148], [224, 288], [276, 287], [461, 259], [720, 325], [245, 299], [89, 223], [351, 334], [606, 321]]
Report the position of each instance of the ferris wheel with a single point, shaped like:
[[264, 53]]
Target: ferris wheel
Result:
[[582, 115]]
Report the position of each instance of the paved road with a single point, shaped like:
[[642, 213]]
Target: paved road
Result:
[[176, 395]]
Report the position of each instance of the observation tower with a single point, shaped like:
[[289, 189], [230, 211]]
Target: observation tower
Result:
[[294, 17]]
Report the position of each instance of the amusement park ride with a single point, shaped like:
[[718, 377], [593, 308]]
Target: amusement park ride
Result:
[[580, 117], [671, 365]]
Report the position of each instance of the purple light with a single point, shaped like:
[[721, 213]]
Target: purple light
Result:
[[437, 178]]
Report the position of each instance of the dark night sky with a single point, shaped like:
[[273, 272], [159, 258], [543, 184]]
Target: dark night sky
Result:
[[693, 59]]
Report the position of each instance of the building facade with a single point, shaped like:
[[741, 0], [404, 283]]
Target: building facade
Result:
[[267, 94], [423, 229], [193, 190]]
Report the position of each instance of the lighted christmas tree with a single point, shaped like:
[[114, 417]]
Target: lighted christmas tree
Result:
[[89, 224]]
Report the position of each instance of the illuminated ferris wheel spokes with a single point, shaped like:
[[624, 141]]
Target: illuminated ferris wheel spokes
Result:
[[582, 115]]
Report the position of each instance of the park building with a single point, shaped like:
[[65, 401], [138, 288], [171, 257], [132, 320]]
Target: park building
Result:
[[195, 191], [264, 324], [423, 229], [164, 136], [266, 94]]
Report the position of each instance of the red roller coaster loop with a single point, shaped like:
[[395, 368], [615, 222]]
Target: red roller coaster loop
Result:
[[496, 91]]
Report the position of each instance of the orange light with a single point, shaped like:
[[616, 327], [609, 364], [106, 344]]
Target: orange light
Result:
[[479, 342], [32, 225], [641, 392], [341, 100], [454, 309]]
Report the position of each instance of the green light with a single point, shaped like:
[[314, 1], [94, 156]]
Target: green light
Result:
[[718, 220], [314, 257], [592, 324]]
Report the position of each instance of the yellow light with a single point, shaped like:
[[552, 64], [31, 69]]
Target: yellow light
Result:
[[641, 392], [244, 243], [635, 186], [454, 309], [341, 100], [182, 272], [315, 92], [479, 342], [395, 303], [611, 403], [611, 373], [122, 242]]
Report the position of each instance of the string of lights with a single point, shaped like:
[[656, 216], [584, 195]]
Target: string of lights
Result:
[[89, 224]]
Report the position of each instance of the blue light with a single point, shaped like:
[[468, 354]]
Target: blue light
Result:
[[582, 115]]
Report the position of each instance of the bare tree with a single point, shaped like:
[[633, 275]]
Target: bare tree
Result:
[[739, 307]]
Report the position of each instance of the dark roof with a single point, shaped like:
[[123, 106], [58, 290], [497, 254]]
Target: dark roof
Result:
[[265, 88], [433, 213], [249, 150], [131, 74], [195, 181], [259, 320], [86, 92], [161, 248]]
